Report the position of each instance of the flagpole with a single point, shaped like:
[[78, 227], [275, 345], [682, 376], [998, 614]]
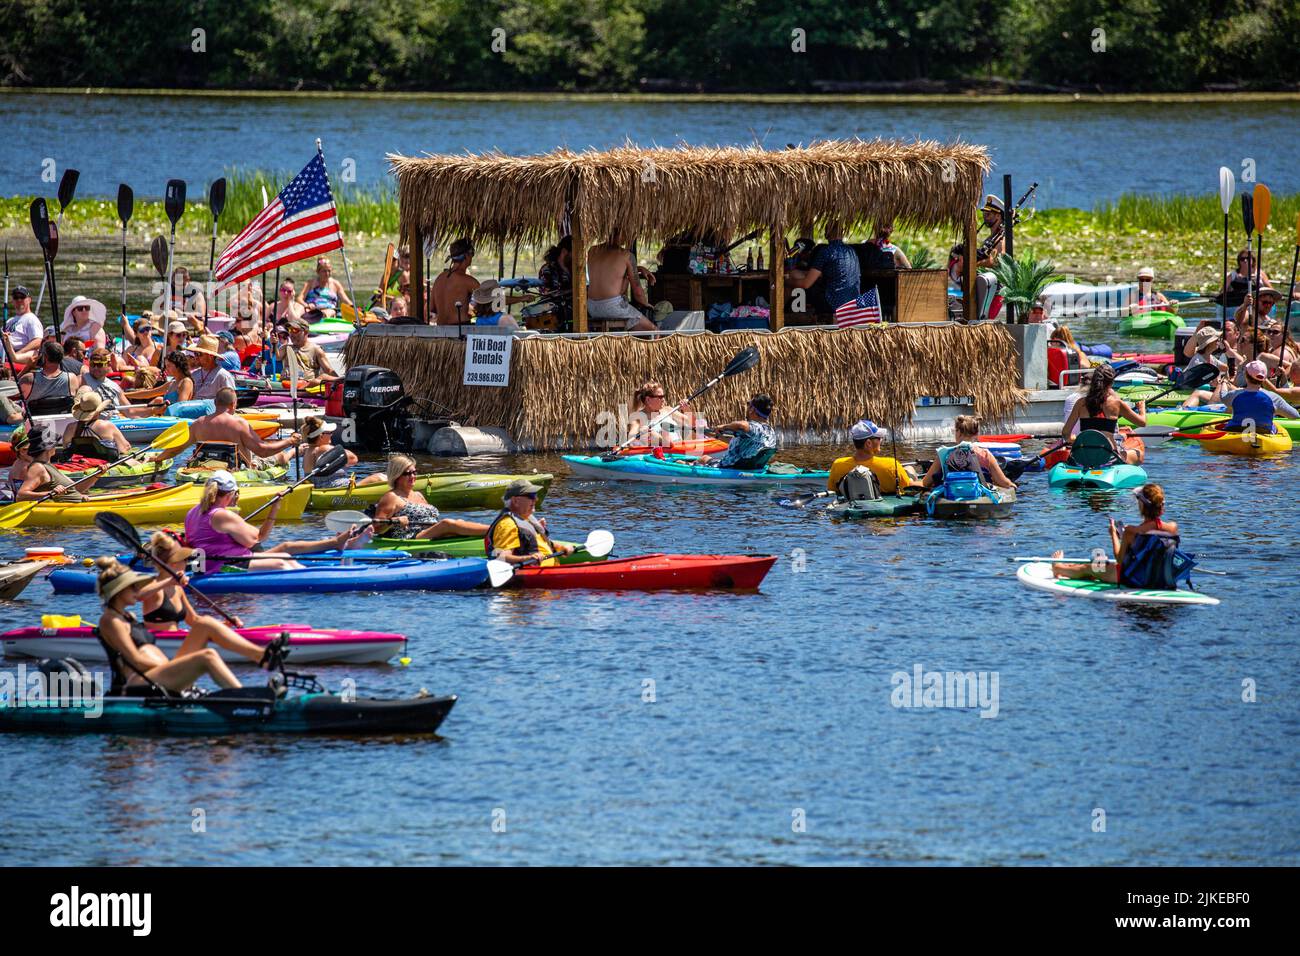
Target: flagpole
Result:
[[347, 269]]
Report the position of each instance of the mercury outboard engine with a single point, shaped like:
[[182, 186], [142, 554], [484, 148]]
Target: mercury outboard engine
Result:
[[373, 397]]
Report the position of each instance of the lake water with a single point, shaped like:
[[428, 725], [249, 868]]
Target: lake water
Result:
[[1081, 153], [767, 705]]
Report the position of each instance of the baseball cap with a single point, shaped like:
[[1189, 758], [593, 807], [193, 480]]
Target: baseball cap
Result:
[[1256, 369], [866, 429], [20, 292], [224, 480], [522, 486]]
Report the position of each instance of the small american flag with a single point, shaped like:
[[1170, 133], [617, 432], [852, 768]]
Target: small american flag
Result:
[[300, 222], [865, 308]]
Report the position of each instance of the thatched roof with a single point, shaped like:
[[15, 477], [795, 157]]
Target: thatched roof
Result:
[[655, 193]]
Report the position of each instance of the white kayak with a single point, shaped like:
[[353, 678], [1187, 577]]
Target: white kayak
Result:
[[1039, 575], [1077, 298]]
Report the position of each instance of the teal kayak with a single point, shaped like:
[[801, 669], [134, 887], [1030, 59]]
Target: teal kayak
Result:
[[1151, 325], [683, 470], [1066, 475], [887, 506]]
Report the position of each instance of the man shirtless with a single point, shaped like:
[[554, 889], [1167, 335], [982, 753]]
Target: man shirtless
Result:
[[455, 284], [611, 270], [225, 426]]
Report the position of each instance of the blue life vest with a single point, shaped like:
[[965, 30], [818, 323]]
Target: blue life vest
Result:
[[1154, 562], [1253, 406]]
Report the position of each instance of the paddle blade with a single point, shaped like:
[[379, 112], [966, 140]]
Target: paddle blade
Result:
[[1227, 187], [11, 516], [743, 361], [500, 572], [40, 217], [1263, 206], [68, 188], [174, 200], [330, 462], [158, 253], [120, 530], [217, 197], [125, 203], [177, 436], [1194, 378], [54, 241], [338, 521], [1248, 213], [599, 543]]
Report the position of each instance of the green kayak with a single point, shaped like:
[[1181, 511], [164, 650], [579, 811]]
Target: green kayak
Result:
[[331, 327], [1151, 325], [457, 548], [889, 506]]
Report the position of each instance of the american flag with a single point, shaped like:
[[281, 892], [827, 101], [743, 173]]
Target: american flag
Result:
[[865, 308], [299, 223]]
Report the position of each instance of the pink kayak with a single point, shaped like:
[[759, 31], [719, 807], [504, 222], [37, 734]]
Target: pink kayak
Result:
[[308, 645]]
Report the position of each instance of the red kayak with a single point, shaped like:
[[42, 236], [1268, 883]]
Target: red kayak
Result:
[[1003, 438], [7, 456], [653, 572], [694, 446]]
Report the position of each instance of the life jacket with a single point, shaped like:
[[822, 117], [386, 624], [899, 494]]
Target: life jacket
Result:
[[1154, 562], [1251, 406], [50, 396], [960, 458], [860, 484], [86, 443], [529, 535]]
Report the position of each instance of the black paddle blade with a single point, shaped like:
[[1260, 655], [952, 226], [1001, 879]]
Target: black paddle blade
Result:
[[1194, 378], [158, 253], [120, 530], [1248, 212], [743, 362], [68, 187], [125, 203], [330, 462], [217, 197], [40, 222], [174, 201], [54, 240]]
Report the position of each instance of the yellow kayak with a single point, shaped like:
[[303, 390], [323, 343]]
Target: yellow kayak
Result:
[[1252, 445], [160, 506], [446, 491]]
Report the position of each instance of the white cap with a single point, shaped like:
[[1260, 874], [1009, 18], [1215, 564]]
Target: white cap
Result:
[[224, 480], [867, 429], [1146, 272]]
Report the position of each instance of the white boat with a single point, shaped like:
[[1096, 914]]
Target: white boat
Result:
[[1077, 298], [15, 577]]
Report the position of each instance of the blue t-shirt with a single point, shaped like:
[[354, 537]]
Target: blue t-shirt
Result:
[[838, 265]]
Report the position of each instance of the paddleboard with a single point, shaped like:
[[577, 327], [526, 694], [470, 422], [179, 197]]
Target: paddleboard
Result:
[[1038, 575]]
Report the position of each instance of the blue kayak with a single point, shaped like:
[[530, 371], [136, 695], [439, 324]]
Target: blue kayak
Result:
[[456, 574], [683, 470], [195, 408]]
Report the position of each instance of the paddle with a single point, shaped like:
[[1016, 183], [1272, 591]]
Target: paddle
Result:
[[1286, 316], [125, 206], [1016, 467], [1190, 379], [216, 203], [330, 462], [174, 204], [178, 436], [67, 190], [743, 361], [9, 352], [158, 256], [40, 218], [1227, 186], [1263, 206], [598, 544], [124, 533]]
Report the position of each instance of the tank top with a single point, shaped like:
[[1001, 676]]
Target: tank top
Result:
[[1105, 425], [961, 457], [89, 445], [321, 297], [140, 636], [60, 480], [214, 544], [415, 514], [50, 396]]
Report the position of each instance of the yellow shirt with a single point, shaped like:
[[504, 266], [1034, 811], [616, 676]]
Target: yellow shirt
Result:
[[889, 473], [506, 539]]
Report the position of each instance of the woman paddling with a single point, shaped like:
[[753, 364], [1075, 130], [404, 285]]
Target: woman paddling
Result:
[[966, 455], [648, 406], [133, 653], [90, 435], [403, 508], [1139, 550], [33, 475], [316, 434], [1100, 410], [168, 604]]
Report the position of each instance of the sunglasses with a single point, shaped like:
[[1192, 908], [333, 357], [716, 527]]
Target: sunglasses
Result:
[[654, 396], [410, 473], [82, 308], [99, 361]]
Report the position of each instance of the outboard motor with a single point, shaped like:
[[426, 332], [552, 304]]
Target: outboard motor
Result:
[[373, 397]]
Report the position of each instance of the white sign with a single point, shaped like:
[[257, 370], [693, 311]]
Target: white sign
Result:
[[487, 359]]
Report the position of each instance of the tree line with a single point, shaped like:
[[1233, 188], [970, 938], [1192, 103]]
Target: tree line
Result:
[[629, 45]]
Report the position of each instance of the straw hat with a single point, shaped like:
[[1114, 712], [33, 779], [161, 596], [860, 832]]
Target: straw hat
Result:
[[483, 294], [120, 583], [208, 345], [87, 405], [98, 311]]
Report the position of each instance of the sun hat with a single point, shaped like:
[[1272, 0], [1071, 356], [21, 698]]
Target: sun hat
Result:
[[1146, 272], [1256, 370], [326, 428], [119, 583], [87, 405], [207, 345], [176, 328], [521, 486], [483, 294], [98, 311], [866, 429], [1269, 290], [224, 481], [1205, 336]]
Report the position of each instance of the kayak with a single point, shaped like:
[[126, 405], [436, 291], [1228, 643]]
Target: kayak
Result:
[[1068, 474], [1188, 419], [125, 475], [309, 645], [333, 326], [448, 490], [887, 506], [653, 572], [239, 710], [998, 505], [455, 548], [682, 470], [690, 446], [1252, 445], [243, 476], [1077, 298], [14, 577], [1039, 575], [154, 506], [1151, 325], [456, 574]]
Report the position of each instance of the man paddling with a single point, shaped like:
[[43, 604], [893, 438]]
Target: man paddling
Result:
[[1254, 405], [868, 439], [518, 536], [754, 440], [224, 425]]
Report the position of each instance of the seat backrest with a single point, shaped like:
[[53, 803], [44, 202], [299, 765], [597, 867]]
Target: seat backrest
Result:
[[860, 485], [1092, 449]]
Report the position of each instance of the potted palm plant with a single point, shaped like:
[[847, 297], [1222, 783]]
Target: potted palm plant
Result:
[[1022, 279]]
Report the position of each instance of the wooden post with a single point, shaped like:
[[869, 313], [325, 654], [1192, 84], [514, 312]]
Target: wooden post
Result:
[[579, 270], [416, 247], [970, 308], [776, 272]]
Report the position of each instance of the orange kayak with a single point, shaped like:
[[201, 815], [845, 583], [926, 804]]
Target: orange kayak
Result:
[[695, 446]]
